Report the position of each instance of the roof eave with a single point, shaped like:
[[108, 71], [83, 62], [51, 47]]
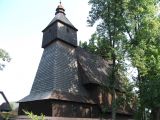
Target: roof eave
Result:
[[61, 22]]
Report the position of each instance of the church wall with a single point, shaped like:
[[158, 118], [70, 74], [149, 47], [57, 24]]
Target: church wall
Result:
[[59, 31], [104, 99], [49, 35], [73, 109], [36, 107], [58, 108], [66, 34]]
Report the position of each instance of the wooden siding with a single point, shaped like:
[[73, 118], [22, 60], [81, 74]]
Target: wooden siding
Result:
[[58, 108], [73, 109]]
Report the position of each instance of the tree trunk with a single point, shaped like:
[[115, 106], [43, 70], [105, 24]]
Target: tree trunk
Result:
[[155, 113], [113, 105]]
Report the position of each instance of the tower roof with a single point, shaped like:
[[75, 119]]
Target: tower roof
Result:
[[60, 16], [60, 9]]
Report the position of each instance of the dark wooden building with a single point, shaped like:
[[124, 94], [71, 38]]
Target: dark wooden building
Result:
[[69, 79], [5, 107]]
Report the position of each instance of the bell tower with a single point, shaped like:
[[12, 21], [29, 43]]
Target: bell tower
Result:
[[60, 28], [58, 69], [57, 81]]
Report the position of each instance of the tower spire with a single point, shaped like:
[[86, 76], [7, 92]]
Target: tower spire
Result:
[[60, 9]]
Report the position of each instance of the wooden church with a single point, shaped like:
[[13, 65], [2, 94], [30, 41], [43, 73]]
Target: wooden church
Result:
[[68, 81]]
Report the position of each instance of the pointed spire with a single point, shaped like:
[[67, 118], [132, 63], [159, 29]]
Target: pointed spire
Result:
[[60, 9]]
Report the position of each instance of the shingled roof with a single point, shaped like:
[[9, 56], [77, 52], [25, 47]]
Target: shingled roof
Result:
[[58, 95], [54, 79], [65, 69], [95, 69], [60, 16], [4, 107]]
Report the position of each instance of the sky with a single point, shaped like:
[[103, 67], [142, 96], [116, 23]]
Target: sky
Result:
[[21, 23]]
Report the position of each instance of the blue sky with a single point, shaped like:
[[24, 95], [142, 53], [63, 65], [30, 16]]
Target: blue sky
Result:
[[21, 23]]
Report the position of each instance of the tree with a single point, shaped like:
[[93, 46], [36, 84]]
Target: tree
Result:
[[142, 27], [127, 99], [110, 39], [130, 28], [4, 57]]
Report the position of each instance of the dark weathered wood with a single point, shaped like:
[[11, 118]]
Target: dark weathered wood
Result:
[[156, 113], [59, 108], [6, 106], [68, 80]]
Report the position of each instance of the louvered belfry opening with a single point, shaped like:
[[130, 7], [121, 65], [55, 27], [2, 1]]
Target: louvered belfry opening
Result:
[[67, 76]]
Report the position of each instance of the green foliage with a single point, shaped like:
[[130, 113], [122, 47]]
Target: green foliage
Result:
[[4, 57], [110, 41], [34, 117], [97, 45], [144, 51], [5, 115], [8, 115], [129, 29]]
